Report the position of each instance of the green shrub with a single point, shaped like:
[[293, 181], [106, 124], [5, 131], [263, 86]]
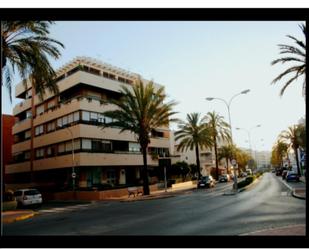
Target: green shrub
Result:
[[247, 181], [9, 205]]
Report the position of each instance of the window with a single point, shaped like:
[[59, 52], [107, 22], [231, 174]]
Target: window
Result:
[[111, 176], [27, 155], [93, 116], [59, 122], [64, 120], [27, 134], [51, 103], [86, 144], [101, 118], [77, 144], [70, 118], [85, 116], [50, 151], [28, 114], [76, 116], [61, 148], [108, 120], [68, 146], [51, 126], [39, 153], [105, 74], [134, 147], [39, 130], [40, 109]]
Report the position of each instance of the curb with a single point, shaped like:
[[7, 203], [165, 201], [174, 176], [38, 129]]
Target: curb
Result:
[[298, 196], [293, 191], [18, 218]]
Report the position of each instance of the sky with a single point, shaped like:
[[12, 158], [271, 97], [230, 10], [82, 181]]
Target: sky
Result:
[[196, 60]]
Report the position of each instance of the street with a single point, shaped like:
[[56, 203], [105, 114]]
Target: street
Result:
[[267, 204]]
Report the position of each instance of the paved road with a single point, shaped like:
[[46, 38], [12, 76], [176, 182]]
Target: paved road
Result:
[[268, 204]]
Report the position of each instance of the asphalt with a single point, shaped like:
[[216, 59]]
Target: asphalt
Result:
[[297, 192]]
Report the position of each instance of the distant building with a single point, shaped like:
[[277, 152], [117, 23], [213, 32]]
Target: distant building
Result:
[[64, 133], [207, 157]]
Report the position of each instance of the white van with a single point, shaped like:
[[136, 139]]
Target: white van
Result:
[[249, 171]]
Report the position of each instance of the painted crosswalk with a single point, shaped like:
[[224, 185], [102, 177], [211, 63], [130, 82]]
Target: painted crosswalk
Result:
[[64, 209]]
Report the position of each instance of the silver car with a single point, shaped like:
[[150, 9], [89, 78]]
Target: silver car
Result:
[[26, 197]]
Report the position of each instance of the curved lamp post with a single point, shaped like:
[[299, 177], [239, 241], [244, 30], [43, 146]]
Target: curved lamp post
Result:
[[73, 162], [228, 104]]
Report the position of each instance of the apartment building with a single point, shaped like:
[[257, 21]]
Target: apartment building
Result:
[[62, 133]]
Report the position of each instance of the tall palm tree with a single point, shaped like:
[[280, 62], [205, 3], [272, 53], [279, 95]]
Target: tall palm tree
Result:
[[296, 54], [26, 46], [293, 139], [194, 134], [227, 152], [219, 131], [140, 110]]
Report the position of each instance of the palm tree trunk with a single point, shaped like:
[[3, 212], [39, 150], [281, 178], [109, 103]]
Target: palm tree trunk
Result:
[[227, 165], [145, 172], [197, 153], [216, 156], [297, 160]]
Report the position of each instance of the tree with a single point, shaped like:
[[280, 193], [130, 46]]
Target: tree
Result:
[[180, 168], [141, 110], [226, 152], [242, 159], [194, 134], [219, 131], [292, 136], [296, 54], [280, 151], [26, 47]]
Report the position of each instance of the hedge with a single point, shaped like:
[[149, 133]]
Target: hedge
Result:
[[247, 181]]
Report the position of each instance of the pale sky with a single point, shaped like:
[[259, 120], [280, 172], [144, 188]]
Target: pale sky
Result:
[[195, 60]]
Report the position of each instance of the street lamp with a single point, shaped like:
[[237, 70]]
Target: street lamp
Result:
[[249, 137], [73, 162], [228, 104]]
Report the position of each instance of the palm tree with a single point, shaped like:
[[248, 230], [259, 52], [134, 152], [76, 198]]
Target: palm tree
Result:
[[26, 46], [293, 138], [140, 110], [194, 134], [281, 150], [219, 131], [227, 152], [296, 54]]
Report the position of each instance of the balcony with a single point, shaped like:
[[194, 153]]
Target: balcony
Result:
[[92, 159], [22, 106], [23, 125]]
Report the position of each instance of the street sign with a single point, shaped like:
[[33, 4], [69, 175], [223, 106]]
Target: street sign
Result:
[[233, 162], [73, 175]]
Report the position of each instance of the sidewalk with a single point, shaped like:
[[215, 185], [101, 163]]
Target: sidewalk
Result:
[[298, 192], [159, 194], [12, 216], [293, 230]]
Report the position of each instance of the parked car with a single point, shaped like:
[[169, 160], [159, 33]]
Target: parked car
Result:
[[292, 176], [224, 178], [26, 197], [206, 181], [284, 173]]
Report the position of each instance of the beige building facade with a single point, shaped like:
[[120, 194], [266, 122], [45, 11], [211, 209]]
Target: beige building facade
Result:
[[62, 133]]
